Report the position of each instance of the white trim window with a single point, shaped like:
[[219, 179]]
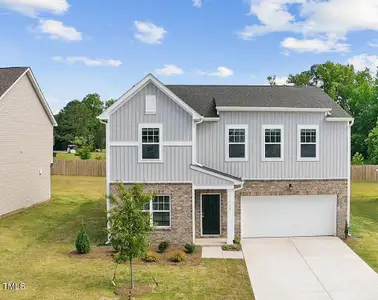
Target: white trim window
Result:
[[150, 104], [272, 142], [160, 211], [308, 143], [150, 137], [236, 143]]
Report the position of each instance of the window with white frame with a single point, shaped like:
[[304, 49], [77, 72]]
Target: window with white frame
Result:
[[272, 144], [160, 211], [236, 142], [308, 143], [150, 142], [150, 104]]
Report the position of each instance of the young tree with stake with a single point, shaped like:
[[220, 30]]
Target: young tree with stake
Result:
[[129, 225]]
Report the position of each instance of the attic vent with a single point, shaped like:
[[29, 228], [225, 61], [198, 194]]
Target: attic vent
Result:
[[151, 104]]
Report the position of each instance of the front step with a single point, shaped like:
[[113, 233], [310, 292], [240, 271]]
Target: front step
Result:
[[211, 241]]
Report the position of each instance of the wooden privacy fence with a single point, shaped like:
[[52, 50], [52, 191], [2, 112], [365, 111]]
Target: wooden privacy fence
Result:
[[79, 167], [365, 172], [98, 168]]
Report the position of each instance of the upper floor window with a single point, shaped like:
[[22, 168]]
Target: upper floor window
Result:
[[308, 143], [272, 144], [150, 143], [150, 104], [236, 143], [160, 211]]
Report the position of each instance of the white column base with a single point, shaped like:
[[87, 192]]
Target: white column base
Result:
[[230, 216]]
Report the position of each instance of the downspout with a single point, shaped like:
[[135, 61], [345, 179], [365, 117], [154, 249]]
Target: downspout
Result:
[[194, 162], [107, 176], [350, 124]]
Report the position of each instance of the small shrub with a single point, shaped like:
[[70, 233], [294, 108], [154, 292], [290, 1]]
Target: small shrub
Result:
[[190, 248], [98, 157], [150, 257], [177, 256], [357, 159], [84, 153], [83, 244], [236, 241], [163, 246], [231, 247]]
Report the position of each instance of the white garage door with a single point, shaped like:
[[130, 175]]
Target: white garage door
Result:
[[282, 216]]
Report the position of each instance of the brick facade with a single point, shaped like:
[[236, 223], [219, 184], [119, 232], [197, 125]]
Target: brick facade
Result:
[[299, 187], [223, 205], [180, 232]]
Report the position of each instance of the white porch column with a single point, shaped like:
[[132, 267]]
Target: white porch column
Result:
[[230, 216]]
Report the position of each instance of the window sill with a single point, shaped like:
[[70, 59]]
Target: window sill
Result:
[[236, 159], [272, 159], [162, 228], [150, 161], [307, 159]]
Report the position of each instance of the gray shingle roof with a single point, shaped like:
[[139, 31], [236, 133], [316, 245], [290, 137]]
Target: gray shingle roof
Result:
[[219, 172], [8, 76], [204, 98]]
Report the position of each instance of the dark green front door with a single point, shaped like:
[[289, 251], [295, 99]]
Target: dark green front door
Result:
[[210, 214]]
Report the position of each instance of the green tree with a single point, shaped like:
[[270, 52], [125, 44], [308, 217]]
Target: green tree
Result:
[[372, 143], [357, 159], [272, 80], [109, 103], [129, 225]]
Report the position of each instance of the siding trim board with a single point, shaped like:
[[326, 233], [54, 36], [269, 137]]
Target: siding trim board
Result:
[[165, 144], [275, 109]]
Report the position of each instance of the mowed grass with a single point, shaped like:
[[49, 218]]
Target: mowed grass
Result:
[[35, 243], [364, 221], [70, 156]]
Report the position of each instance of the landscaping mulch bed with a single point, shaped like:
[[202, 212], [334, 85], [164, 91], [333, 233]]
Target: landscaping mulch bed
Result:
[[107, 252], [139, 289]]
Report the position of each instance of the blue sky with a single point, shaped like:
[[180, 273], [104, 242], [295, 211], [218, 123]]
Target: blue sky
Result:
[[76, 47]]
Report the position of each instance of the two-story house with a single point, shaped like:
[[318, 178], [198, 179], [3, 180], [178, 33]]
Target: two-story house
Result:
[[233, 161]]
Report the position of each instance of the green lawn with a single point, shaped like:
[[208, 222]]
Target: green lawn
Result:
[[364, 221], [70, 156], [34, 247]]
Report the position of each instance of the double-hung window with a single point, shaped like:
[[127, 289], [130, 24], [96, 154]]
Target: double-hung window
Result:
[[160, 211], [236, 143], [150, 143], [308, 143], [272, 142]]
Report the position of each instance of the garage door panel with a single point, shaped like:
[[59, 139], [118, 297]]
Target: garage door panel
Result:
[[280, 216]]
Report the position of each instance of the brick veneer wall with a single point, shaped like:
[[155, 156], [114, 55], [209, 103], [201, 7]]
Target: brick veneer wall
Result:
[[299, 187], [181, 212], [223, 204]]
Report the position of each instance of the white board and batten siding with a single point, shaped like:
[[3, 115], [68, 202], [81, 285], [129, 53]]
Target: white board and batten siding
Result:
[[333, 145], [285, 216], [26, 148], [177, 127]]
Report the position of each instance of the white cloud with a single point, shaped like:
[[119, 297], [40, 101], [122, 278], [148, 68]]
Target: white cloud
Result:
[[363, 61], [197, 3], [314, 45], [323, 20], [149, 33], [221, 72], [373, 43], [89, 62], [58, 31], [33, 7], [169, 70]]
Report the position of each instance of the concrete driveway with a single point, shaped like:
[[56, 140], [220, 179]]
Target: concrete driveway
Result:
[[316, 268]]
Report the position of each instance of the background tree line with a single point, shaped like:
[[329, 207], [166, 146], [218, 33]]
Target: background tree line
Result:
[[78, 124], [357, 93]]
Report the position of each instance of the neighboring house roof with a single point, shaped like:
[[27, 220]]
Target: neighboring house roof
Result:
[[205, 98], [10, 76], [217, 173]]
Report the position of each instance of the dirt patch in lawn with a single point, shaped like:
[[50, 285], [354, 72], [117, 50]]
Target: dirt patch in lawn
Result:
[[138, 290], [164, 258]]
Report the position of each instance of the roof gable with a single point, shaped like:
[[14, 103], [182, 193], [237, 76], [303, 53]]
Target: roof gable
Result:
[[138, 87], [9, 78]]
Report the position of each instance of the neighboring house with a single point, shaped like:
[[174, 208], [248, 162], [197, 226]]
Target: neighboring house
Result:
[[233, 161], [26, 141]]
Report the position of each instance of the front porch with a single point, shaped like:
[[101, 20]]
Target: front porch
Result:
[[214, 216]]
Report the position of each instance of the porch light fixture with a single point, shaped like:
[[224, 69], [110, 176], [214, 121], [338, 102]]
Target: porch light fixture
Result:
[[290, 187]]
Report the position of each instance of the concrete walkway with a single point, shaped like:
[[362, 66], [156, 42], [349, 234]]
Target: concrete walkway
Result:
[[317, 268], [217, 252]]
